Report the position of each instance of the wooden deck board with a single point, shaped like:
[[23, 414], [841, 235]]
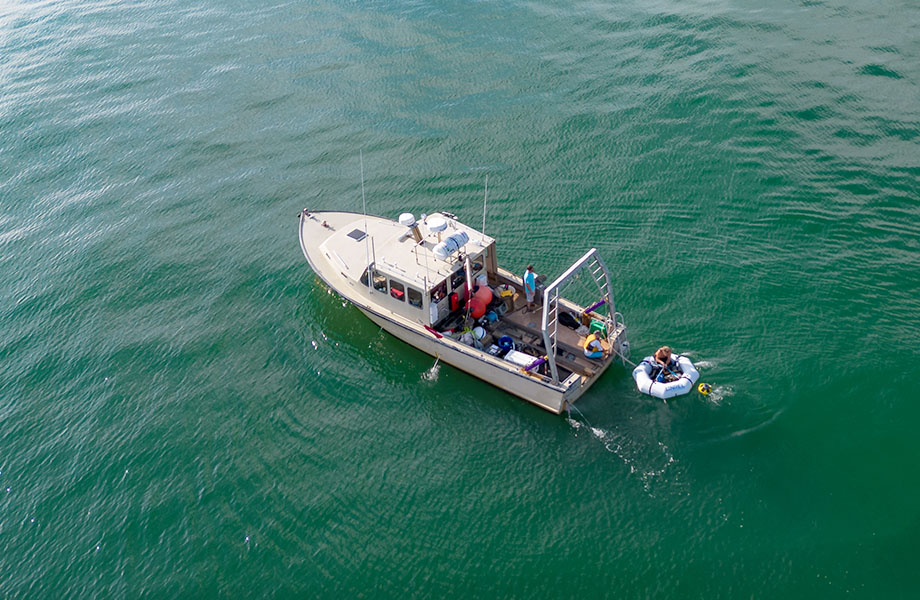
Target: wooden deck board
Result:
[[567, 340]]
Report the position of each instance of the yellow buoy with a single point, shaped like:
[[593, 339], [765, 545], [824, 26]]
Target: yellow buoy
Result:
[[704, 388]]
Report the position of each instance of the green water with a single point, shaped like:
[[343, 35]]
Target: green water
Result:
[[186, 411]]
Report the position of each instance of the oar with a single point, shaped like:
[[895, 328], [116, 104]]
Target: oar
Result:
[[664, 367], [703, 388]]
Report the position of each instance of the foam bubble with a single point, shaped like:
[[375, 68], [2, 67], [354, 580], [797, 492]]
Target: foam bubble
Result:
[[432, 373]]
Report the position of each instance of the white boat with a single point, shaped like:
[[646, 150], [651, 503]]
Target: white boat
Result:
[[427, 283], [681, 381]]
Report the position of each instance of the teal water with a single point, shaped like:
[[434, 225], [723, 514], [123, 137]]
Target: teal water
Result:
[[186, 411]]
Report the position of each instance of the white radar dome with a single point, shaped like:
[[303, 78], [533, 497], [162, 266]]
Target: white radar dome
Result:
[[436, 224], [407, 219]]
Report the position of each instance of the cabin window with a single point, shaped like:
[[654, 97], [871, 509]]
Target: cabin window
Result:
[[397, 290], [439, 292], [380, 283], [476, 264], [415, 298], [457, 279]]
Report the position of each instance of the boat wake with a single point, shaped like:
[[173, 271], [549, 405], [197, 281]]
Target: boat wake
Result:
[[719, 393], [649, 463], [758, 427]]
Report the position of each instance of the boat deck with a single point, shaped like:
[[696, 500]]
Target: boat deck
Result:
[[523, 327]]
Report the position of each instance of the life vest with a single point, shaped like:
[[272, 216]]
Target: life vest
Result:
[[659, 373], [593, 346]]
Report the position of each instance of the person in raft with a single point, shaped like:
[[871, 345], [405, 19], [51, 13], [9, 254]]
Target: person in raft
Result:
[[665, 367], [593, 346], [530, 287]]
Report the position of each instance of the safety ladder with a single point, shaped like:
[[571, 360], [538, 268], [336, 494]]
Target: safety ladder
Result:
[[602, 279], [550, 322], [551, 327]]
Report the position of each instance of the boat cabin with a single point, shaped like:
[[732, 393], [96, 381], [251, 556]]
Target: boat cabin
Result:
[[426, 271]]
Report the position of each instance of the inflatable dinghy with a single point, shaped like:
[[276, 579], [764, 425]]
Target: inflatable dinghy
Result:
[[664, 390]]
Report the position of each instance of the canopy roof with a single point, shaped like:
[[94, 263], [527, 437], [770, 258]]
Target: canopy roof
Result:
[[397, 253]]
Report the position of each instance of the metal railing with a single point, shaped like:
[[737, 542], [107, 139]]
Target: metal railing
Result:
[[550, 322]]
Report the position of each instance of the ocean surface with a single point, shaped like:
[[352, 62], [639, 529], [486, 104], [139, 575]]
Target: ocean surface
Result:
[[186, 411]]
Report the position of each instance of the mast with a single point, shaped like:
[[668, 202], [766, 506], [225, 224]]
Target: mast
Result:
[[367, 234], [484, 201]]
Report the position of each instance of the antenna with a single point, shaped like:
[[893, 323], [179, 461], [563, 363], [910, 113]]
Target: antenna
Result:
[[484, 201], [367, 234], [427, 270], [363, 199]]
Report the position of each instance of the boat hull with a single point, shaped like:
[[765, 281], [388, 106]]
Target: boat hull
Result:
[[526, 387]]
